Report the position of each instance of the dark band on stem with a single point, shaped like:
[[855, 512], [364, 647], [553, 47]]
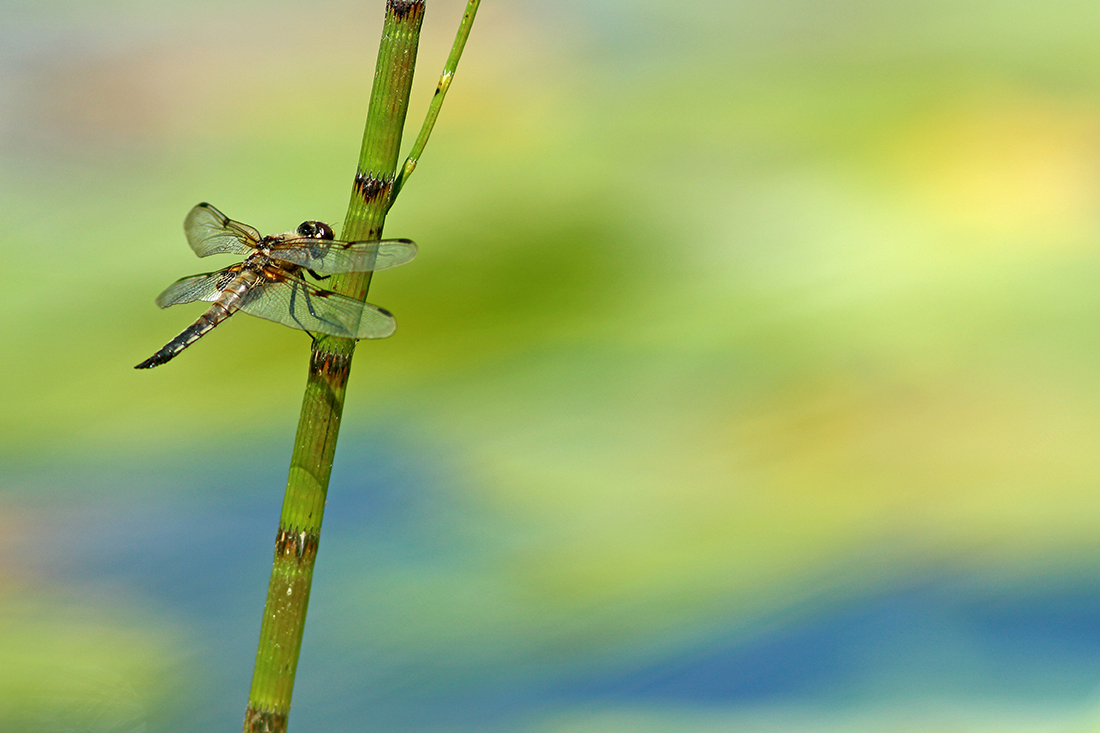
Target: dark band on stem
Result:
[[401, 9], [258, 720], [296, 542], [332, 365], [370, 188], [328, 369]]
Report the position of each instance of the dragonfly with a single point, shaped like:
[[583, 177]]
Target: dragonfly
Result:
[[271, 282]]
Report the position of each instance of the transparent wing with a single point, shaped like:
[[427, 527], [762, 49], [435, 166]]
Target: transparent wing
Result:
[[295, 303], [210, 232], [206, 286], [327, 256]]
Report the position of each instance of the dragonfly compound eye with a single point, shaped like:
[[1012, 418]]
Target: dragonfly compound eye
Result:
[[315, 230]]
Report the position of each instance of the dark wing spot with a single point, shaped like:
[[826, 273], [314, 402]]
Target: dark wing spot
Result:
[[222, 217]]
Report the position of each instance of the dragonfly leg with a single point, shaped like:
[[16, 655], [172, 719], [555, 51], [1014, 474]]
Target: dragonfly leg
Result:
[[309, 307], [319, 277], [294, 311]]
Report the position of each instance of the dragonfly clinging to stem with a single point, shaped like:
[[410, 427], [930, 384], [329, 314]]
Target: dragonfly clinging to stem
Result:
[[271, 282]]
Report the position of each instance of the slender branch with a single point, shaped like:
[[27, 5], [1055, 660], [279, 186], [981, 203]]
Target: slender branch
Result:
[[437, 99], [329, 366]]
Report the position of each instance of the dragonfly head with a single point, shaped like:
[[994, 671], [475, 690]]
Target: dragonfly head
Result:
[[315, 230]]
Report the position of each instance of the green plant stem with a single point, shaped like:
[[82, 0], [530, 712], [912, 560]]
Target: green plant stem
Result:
[[437, 99], [330, 363]]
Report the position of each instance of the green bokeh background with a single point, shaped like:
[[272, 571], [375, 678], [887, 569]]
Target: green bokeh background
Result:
[[727, 317]]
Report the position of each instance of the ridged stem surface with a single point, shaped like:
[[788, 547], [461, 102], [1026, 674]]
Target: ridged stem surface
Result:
[[329, 366]]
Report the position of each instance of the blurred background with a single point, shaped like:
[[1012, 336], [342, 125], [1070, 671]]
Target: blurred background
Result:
[[746, 379]]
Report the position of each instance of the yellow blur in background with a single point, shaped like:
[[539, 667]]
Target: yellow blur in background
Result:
[[745, 379]]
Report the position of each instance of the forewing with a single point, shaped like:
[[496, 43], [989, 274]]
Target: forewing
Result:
[[196, 287], [210, 232], [327, 257], [295, 303]]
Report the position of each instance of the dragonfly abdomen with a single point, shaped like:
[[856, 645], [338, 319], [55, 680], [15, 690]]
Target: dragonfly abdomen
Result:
[[226, 304], [212, 317], [230, 296]]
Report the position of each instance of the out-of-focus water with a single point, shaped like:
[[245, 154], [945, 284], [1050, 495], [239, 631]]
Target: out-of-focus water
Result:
[[744, 380]]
